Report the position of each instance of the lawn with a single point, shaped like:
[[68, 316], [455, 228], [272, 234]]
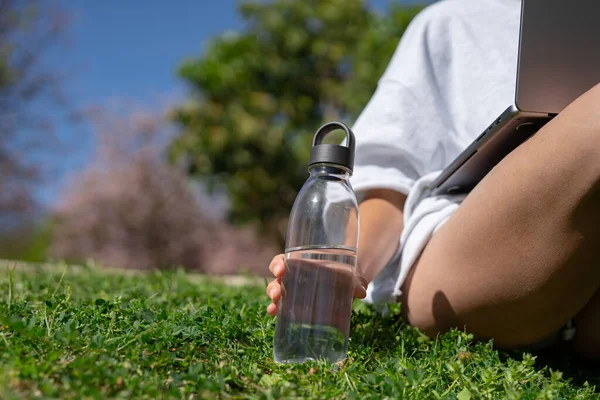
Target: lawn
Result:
[[83, 332]]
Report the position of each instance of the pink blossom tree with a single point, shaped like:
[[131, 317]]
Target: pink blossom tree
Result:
[[131, 208]]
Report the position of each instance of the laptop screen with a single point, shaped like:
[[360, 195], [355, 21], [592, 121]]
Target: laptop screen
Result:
[[559, 54]]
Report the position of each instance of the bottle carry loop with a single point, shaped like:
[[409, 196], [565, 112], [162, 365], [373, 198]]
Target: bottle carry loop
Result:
[[333, 153]]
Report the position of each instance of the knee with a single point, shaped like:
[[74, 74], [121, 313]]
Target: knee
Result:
[[592, 96], [586, 122], [574, 136], [595, 91], [584, 111]]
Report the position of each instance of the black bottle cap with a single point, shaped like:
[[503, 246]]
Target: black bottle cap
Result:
[[333, 153]]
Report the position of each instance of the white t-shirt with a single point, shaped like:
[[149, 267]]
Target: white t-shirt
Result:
[[454, 71]]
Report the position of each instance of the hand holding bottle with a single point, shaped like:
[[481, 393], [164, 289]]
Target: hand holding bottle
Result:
[[277, 268]]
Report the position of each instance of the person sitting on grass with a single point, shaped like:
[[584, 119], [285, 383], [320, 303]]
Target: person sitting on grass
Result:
[[517, 260]]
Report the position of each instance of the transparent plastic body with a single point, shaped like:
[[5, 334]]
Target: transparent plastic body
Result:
[[313, 321]]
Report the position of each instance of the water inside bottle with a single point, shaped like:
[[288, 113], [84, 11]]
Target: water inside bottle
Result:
[[316, 305]]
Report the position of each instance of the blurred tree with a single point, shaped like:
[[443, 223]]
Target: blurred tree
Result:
[[130, 208], [259, 95], [28, 28]]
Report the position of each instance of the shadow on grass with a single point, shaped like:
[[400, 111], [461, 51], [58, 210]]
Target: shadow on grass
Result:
[[577, 371], [379, 333], [550, 359]]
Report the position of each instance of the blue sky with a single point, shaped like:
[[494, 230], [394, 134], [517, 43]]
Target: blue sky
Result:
[[131, 49]]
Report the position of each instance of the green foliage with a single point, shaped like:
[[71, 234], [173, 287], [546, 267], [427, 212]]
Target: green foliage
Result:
[[29, 243], [259, 95], [39, 243], [73, 333]]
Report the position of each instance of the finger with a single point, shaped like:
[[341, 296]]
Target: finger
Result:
[[360, 292], [274, 291], [273, 283], [360, 287], [272, 309], [277, 266]]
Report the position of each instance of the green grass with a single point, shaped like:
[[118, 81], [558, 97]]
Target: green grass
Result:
[[86, 333]]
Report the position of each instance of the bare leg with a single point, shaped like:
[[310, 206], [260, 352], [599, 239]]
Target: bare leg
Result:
[[521, 255]]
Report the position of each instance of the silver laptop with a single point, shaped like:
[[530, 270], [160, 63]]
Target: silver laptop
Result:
[[558, 61]]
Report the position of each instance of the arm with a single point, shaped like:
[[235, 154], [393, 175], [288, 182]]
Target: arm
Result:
[[381, 224]]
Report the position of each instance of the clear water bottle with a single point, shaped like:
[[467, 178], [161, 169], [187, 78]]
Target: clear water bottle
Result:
[[313, 321]]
